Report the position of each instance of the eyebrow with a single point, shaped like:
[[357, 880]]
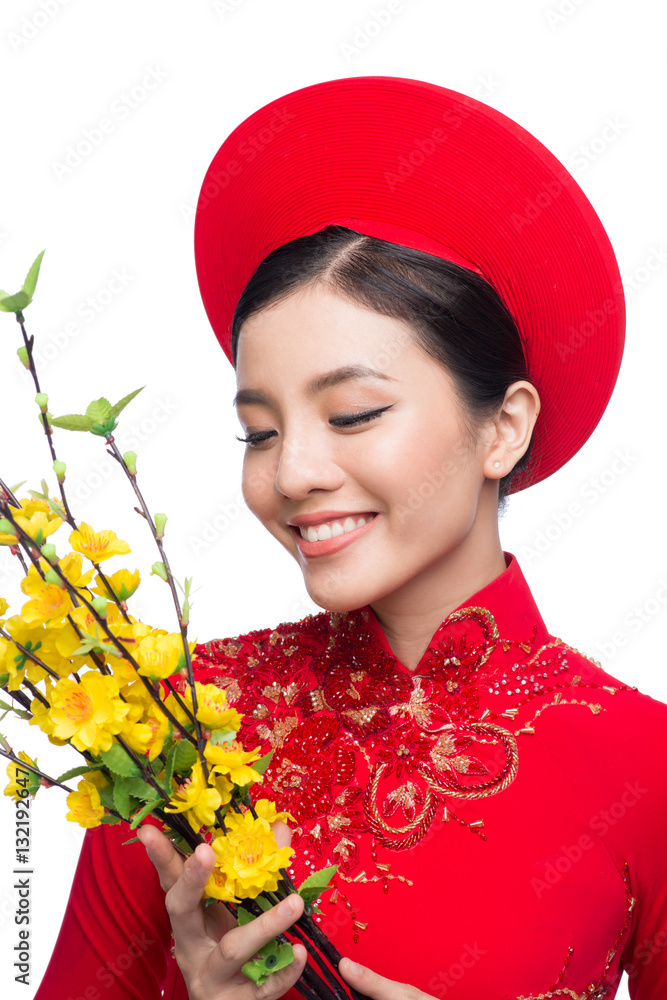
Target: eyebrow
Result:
[[318, 384]]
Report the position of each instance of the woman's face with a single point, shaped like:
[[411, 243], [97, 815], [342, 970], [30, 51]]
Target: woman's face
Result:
[[412, 472]]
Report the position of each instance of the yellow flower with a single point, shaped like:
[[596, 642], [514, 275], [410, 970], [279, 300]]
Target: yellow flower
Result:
[[122, 583], [40, 641], [4, 607], [220, 887], [40, 715], [36, 518], [68, 639], [87, 714], [99, 545], [266, 809], [71, 565], [248, 856], [25, 783], [160, 656], [145, 732], [232, 760], [38, 526], [85, 805], [212, 709], [199, 799], [48, 602]]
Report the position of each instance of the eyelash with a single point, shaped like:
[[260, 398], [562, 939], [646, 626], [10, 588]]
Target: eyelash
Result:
[[350, 420]]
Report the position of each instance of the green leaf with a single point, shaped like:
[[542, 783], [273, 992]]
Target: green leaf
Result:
[[109, 818], [315, 884], [73, 422], [14, 303], [10, 708], [244, 916], [185, 756], [56, 508], [169, 769], [261, 765], [139, 788], [99, 410], [104, 429], [136, 819], [74, 772], [121, 799], [122, 403], [106, 796], [119, 762], [221, 736], [30, 282], [132, 840], [273, 957]]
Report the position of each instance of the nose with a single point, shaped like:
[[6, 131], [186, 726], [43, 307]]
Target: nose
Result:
[[306, 464]]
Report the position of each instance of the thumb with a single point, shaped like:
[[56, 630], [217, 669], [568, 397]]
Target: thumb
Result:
[[282, 833]]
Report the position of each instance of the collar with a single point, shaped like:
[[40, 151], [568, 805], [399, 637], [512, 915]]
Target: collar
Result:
[[501, 620]]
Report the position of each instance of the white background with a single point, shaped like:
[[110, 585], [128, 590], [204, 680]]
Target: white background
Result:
[[571, 71]]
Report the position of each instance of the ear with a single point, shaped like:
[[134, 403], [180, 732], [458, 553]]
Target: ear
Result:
[[511, 429]]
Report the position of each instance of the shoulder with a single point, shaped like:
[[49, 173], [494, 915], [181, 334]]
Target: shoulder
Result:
[[261, 646], [623, 728]]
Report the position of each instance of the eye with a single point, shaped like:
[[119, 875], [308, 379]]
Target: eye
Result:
[[349, 420]]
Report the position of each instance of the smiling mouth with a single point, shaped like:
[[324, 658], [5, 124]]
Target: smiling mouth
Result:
[[333, 528]]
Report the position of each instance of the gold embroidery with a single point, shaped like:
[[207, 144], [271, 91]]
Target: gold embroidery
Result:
[[599, 989]]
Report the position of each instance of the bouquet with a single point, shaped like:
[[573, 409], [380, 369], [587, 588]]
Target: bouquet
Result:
[[76, 663]]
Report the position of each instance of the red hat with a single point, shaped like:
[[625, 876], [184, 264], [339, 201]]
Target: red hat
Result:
[[425, 167]]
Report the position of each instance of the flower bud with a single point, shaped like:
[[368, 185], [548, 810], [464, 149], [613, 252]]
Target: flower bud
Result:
[[100, 605], [42, 401], [160, 521], [24, 357], [130, 459], [48, 550], [59, 468], [158, 569], [54, 579], [7, 528]]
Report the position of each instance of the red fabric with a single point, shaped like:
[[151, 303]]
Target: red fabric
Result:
[[501, 845], [425, 167]]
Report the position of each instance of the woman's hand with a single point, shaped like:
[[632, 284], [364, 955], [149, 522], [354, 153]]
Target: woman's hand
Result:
[[208, 947], [376, 987]]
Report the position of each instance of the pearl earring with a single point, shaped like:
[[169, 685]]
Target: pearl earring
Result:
[[497, 465]]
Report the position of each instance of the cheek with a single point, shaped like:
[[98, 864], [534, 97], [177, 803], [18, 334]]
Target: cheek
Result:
[[257, 486]]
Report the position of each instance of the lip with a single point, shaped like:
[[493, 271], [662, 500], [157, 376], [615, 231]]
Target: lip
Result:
[[326, 515], [331, 545]]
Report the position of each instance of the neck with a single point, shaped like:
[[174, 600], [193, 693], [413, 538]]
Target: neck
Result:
[[410, 615]]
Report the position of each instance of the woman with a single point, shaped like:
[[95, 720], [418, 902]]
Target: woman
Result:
[[425, 315]]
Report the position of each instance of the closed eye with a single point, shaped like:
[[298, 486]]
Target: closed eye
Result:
[[349, 420]]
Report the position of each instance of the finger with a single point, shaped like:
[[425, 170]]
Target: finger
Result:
[[240, 944], [160, 850], [377, 987], [282, 833], [183, 902]]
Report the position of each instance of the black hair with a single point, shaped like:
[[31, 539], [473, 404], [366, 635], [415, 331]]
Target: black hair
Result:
[[457, 317]]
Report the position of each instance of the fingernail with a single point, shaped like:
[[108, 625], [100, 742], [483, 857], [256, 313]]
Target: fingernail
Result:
[[288, 905]]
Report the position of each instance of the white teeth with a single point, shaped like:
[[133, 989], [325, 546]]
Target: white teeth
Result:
[[331, 529]]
